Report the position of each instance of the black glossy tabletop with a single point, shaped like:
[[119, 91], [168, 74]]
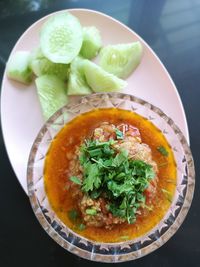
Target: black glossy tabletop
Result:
[[172, 29]]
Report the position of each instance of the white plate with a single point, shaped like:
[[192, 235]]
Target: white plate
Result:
[[20, 109]]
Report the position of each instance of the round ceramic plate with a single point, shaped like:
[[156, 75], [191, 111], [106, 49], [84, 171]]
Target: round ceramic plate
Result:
[[20, 110]]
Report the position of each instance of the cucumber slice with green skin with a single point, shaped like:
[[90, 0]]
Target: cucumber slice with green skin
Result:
[[77, 84], [77, 65], [18, 67], [91, 42], [100, 80], [52, 94], [61, 38], [36, 54], [122, 59], [40, 65]]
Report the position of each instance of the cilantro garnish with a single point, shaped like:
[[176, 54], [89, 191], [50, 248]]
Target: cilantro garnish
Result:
[[163, 151], [119, 134], [115, 177], [75, 180], [91, 211], [81, 227], [73, 215]]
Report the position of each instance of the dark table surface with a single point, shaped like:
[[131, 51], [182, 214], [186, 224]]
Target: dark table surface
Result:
[[172, 29]]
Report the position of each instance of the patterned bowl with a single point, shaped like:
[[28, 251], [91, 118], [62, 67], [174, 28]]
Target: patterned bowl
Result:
[[122, 251]]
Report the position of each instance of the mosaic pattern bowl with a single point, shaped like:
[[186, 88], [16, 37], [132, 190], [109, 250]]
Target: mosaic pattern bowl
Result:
[[111, 252]]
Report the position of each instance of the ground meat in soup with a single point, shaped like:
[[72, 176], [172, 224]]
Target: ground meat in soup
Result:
[[70, 201], [136, 150]]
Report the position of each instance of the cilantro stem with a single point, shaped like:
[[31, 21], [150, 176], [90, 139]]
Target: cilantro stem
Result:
[[163, 151], [91, 211], [100, 163]]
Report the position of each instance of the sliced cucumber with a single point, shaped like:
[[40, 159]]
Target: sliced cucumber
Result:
[[36, 54], [77, 65], [61, 38], [52, 94], [40, 65], [18, 67], [100, 80], [77, 84], [91, 42], [121, 59]]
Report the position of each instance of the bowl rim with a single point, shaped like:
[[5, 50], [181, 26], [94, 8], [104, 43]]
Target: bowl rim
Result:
[[178, 219]]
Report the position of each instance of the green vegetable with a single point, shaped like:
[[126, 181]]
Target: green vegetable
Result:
[[91, 179], [163, 151], [121, 59], [114, 176], [18, 67], [77, 84], [61, 38], [91, 211], [91, 42], [120, 158], [75, 218], [40, 65], [81, 227], [100, 80], [51, 93], [75, 180], [73, 215], [95, 194], [119, 134]]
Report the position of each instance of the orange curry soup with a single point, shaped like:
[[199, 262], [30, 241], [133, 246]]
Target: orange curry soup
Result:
[[73, 134]]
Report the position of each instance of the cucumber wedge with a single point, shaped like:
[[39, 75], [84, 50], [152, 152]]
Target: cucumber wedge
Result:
[[77, 84], [122, 59], [40, 65], [91, 42], [51, 93], [61, 38], [18, 67], [100, 80]]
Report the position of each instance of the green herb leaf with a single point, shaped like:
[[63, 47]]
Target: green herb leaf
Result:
[[119, 189], [119, 134], [163, 151], [81, 227], [95, 152], [73, 215], [120, 158], [91, 211], [91, 177], [95, 194], [75, 180]]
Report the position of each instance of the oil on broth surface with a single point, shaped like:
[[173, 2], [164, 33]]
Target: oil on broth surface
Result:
[[73, 134]]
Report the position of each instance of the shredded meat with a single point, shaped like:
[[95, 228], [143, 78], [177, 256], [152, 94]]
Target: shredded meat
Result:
[[103, 216]]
